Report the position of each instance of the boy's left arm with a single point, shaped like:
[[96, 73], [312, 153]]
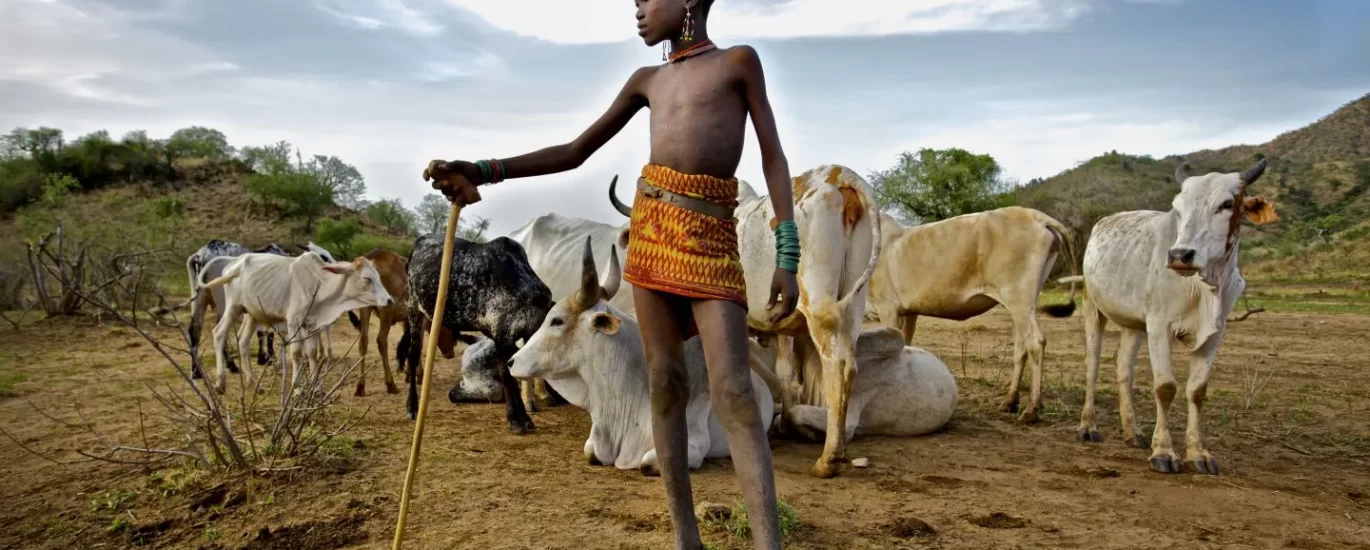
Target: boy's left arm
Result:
[[775, 166]]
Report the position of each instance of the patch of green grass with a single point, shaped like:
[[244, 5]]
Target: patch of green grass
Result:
[[9, 381], [120, 524], [213, 534], [109, 501], [738, 526], [176, 480], [56, 525]]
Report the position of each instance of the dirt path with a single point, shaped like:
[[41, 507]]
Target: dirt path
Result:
[[1296, 461]]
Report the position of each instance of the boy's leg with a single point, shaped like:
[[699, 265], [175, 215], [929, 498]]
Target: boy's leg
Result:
[[723, 331], [665, 353]]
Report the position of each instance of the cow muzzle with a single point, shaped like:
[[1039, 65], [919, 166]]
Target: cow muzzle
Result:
[[1181, 261]]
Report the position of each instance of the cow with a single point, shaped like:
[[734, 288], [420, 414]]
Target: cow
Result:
[[591, 352], [839, 233], [303, 293], [899, 390], [195, 263], [964, 266], [492, 290], [1167, 276], [393, 272], [553, 242]]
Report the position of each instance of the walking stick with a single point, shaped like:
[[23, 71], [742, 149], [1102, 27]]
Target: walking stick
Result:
[[430, 350]]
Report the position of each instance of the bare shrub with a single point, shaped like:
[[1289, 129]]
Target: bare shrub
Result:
[[224, 432]]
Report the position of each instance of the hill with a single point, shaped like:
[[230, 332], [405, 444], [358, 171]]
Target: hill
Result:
[[1319, 177]]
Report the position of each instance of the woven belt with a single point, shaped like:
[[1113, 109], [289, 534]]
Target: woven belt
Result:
[[689, 203]]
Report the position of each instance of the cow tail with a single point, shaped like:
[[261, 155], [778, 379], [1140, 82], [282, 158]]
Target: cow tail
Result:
[[194, 276], [872, 214], [232, 273], [1068, 308], [352, 318]]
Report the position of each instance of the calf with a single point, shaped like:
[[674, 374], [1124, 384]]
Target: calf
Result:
[[392, 270], [899, 390], [1165, 276], [964, 266], [591, 353], [304, 293], [491, 290]]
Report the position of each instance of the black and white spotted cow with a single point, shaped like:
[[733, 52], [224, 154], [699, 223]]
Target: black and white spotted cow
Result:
[[492, 290]]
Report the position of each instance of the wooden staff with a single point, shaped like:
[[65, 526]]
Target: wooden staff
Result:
[[431, 345]]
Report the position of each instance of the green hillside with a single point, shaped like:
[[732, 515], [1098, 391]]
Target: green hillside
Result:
[[1319, 177]]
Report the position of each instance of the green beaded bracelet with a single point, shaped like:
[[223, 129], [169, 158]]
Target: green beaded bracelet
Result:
[[486, 174], [787, 246]]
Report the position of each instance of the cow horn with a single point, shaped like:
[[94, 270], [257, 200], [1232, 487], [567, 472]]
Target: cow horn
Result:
[[613, 277], [1180, 174], [589, 279], [1251, 174], [618, 204]]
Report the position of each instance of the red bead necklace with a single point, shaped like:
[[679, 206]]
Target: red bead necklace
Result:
[[691, 51]]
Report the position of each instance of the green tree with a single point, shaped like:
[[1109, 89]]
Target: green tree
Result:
[[337, 235], [342, 178], [936, 184], [474, 231], [391, 214], [198, 142], [431, 213], [298, 194]]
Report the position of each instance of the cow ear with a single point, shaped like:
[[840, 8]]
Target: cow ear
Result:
[[606, 323], [623, 239], [1259, 210], [340, 268]]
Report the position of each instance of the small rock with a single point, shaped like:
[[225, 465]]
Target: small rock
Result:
[[713, 511], [861, 463]]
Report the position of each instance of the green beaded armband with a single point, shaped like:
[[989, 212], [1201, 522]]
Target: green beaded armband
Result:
[[787, 246]]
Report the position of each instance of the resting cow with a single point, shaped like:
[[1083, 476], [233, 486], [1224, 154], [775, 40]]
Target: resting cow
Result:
[[961, 267], [899, 391], [1166, 276], [591, 353], [839, 234], [553, 243], [491, 290], [304, 293]]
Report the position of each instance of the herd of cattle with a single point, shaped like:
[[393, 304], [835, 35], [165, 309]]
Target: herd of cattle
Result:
[[551, 322]]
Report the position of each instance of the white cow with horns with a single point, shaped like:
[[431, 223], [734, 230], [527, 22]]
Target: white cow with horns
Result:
[[1167, 276], [304, 293], [591, 353]]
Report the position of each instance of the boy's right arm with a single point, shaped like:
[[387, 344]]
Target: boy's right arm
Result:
[[557, 158]]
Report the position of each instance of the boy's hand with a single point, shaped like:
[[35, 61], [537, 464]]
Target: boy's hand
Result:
[[786, 289], [455, 180]]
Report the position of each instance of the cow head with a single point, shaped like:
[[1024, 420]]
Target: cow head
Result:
[[361, 282], [1209, 210], [274, 248], [576, 328]]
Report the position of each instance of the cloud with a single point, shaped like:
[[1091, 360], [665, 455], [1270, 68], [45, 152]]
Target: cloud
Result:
[[602, 21]]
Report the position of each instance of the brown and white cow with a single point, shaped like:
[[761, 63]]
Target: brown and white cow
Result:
[[1167, 276], [962, 267], [839, 235]]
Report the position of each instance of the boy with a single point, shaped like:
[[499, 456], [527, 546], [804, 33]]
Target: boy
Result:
[[682, 256]]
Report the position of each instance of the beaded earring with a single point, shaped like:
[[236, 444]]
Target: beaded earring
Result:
[[687, 34]]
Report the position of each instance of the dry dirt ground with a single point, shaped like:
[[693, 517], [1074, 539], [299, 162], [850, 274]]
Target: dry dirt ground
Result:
[[1295, 456]]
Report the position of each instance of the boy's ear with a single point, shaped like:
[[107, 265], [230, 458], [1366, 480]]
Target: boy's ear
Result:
[[1259, 210], [606, 323]]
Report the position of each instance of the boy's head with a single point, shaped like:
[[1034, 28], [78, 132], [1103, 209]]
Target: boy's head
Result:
[[662, 20]]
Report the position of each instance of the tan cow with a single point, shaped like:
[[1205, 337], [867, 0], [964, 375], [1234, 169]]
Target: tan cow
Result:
[[961, 267]]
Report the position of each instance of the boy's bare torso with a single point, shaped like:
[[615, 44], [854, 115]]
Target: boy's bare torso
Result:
[[698, 113]]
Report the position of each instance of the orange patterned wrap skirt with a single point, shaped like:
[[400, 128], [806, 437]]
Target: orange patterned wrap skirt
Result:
[[682, 252]]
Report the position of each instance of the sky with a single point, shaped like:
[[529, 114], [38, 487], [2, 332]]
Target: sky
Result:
[[387, 85]]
